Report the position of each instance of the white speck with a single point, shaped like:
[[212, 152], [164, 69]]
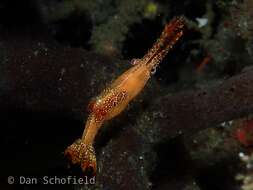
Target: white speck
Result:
[[158, 114], [241, 154], [202, 22], [46, 50], [134, 61], [245, 24], [153, 71], [82, 65], [141, 157], [63, 70], [116, 17], [226, 124], [244, 157], [36, 52], [248, 166], [223, 124]]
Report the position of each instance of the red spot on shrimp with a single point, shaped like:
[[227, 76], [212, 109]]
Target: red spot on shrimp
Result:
[[100, 113]]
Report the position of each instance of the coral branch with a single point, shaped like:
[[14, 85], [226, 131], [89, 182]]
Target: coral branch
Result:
[[197, 110]]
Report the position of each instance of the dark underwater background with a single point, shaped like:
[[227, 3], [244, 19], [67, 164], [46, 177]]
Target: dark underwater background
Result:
[[190, 129]]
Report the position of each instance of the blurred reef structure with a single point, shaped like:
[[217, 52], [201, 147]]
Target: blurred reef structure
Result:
[[55, 55]]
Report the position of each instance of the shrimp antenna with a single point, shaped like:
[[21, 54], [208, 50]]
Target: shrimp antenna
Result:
[[170, 35]]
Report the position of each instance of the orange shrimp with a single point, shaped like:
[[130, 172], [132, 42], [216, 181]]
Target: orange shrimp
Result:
[[114, 99]]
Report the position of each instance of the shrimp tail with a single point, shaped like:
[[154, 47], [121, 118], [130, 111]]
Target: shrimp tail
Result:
[[82, 154]]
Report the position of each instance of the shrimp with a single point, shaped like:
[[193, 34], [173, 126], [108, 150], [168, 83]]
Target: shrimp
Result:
[[115, 98]]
